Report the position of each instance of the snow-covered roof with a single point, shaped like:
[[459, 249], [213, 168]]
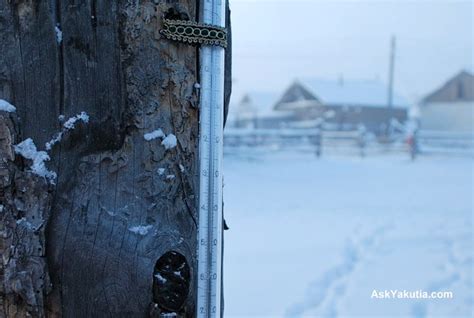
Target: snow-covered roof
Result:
[[255, 104], [370, 93], [263, 102]]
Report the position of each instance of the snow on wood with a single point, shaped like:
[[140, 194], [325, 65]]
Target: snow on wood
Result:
[[108, 152], [27, 149], [141, 229], [59, 34], [6, 106], [71, 122], [24, 211], [169, 142], [57, 138], [161, 171], [154, 135], [68, 125]]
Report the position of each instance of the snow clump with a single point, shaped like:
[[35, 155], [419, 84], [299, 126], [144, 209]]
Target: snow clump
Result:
[[70, 124], [169, 142], [27, 149], [141, 229], [6, 106], [154, 134]]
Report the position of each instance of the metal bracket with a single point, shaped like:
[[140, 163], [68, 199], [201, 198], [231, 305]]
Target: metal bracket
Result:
[[194, 33]]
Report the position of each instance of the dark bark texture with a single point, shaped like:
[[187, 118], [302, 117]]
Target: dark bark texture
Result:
[[24, 209], [72, 249]]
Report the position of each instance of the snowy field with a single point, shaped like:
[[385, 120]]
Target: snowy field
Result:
[[314, 238]]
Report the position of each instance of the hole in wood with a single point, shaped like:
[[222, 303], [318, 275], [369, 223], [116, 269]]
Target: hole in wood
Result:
[[171, 280], [176, 13]]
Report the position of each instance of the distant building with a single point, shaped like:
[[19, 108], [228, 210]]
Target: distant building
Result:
[[450, 107], [256, 110], [344, 105], [336, 105]]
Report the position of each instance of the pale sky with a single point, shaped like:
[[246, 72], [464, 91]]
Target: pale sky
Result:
[[278, 41]]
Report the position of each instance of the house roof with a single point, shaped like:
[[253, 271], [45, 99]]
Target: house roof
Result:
[[310, 92], [297, 93], [369, 93], [262, 102], [458, 88]]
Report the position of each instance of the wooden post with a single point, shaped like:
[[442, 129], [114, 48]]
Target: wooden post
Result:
[[362, 140], [414, 143], [108, 235]]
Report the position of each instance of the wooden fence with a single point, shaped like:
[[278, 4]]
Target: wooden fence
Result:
[[356, 142]]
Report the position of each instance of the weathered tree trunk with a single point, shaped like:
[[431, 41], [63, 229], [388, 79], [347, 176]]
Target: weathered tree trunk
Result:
[[115, 233]]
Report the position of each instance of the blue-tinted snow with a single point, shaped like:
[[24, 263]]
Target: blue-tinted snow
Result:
[[141, 229], [6, 106], [27, 149], [314, 238], [169, 142]]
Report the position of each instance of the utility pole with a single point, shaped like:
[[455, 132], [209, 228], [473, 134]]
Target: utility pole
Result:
[[100, 168], [391, 71]]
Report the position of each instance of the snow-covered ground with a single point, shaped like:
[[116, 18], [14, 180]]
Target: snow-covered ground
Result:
[[315, 238]]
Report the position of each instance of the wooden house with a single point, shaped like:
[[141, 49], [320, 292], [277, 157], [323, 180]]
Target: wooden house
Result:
[[344, 105], [451, 106]]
